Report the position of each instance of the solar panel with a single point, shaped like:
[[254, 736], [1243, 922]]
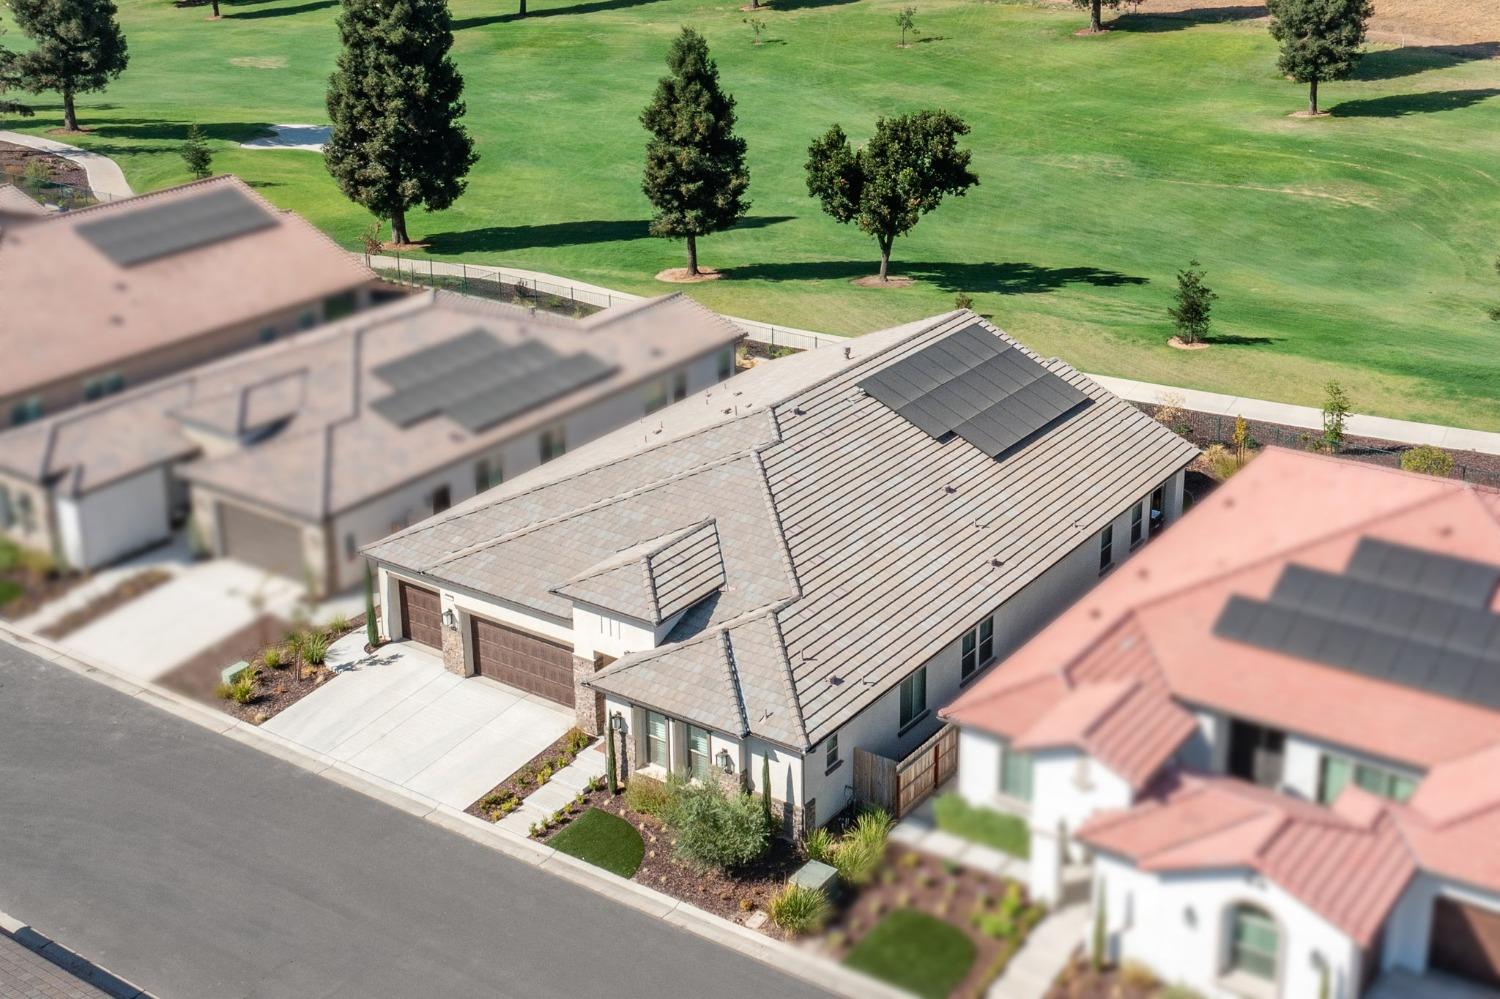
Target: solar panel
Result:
[[155, 231], [1382, 618], [977, 386], [478, 381]]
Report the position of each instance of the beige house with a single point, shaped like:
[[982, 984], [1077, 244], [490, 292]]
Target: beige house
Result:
[[292, 456], [111, 296]]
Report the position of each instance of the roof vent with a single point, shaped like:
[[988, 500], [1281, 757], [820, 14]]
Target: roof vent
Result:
[[798, 411], [998, 563], [835, 681], [950, 490]]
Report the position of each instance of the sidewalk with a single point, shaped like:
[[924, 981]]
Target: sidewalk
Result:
[[1030, 974], [106, 179]]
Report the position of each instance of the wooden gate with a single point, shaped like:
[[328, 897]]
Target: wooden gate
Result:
[[898, 787]]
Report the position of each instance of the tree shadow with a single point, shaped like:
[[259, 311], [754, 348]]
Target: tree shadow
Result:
[[791, 5], [1181, 20], [1009, 278], [592, 7], [502, 238], [1235, 340], [1408, 60], [931, 38], [1399, 105], [265, 12], [142, 129]]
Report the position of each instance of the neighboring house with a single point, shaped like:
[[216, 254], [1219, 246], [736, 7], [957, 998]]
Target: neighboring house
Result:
[[293, 455], [117, 294], [799, 565], [1275, 734]]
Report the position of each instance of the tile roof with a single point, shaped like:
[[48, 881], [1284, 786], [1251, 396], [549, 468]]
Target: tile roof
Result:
[[308, 398], [863, 542], [62, 320], [17, 205], [656, 579]]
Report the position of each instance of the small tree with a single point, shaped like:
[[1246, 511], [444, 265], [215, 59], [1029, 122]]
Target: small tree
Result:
[[1096, 12], [906, 21], [609, 758], [394, 99], [1428, 460], [1320, 39], [756, 27], [1335, 415], [372, 633], [78, 48], [695, 175], [196, 154], [765, 787], [1240, 438], [1192, 305], [906, 169]]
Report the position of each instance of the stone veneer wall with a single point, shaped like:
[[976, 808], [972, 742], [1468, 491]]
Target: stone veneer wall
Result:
[[453, 651], [588, 705]]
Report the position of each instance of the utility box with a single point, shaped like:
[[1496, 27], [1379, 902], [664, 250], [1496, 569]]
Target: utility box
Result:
[[228, 673], [816, 874]]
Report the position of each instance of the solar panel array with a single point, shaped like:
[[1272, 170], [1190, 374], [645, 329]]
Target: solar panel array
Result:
[[1396, 614], [478, 381], [134, 237], [975, 385]]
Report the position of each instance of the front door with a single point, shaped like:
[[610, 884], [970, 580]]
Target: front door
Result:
[[1255, 753]]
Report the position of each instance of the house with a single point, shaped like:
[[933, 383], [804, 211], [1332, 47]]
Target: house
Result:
[[292, 455], [120, 293], [799, 565], [1275, 735]]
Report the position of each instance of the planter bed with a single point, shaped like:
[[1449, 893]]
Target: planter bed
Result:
[[122, 594], [29, 580], [1078, 980], [506, 796]]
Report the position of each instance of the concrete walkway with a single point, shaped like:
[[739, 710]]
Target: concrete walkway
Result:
[[564, 786], [919, 831], [173, 557], [106, 179], [1031, 972]]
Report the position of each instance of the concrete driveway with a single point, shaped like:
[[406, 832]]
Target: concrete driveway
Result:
[[399, 715]]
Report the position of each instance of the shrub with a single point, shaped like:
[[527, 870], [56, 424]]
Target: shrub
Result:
[[1010, 902], [1336, 405], [649, 797], [338, 624], [862, 848], [1220, 460], [820, 845], [578, 740], [315, 648], [296, 643], [1135, 975], [716, 830], [273, 657], [995, 925], [797, 909], [1428, 460], [240, 690], [963, 300]]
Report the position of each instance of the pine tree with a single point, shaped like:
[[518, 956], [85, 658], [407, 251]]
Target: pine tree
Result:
[[609, 758], [78, 48], [7, 81], [695, 165], [765, 788], [394, 99], [1320, 39], [372, 633], [1192, 304], [906, 169], [196, 154]]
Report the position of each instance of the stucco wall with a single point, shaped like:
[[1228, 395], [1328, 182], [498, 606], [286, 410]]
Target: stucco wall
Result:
[[121, 518], [1406, 940], [40, 534]]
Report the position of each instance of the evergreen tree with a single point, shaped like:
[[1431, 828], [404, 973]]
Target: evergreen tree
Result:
[[909, 165], [372, 633], [1320, 39], [1192, 304], [394, 99], [695, 165], [7, 81], [765, 788], [78, 48], [196, 154], [609, 759]]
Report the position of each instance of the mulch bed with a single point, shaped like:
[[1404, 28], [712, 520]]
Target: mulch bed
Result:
[[135, 586], [37, 590], [519, 785], [1078, 980], [911, 879], [15, 159]]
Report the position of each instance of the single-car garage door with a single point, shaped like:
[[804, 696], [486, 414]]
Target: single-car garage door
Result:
[[1465, 941], [523, 660], [273, 545], [421, 615]]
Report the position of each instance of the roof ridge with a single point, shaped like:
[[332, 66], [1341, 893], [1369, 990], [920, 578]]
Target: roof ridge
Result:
[[784, 550], [726, 646], [786, 672], [1132, 686]]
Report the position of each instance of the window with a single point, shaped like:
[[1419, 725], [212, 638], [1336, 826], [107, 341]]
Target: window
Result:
[[441, 499], [552, 444], [267, 334], [1253, 942], [103, 385], [656, 395], [978, 648], [914, 697], [488, 473], [1106, 548], [25, 513], [831, 754], [679, 386], [698, 757], [1015, 774], [1336, 772], [93, 389], [26, 410], [308, 320], [1137, 524], [656, 739], [114, 382], [726, 363], [1159, 508], [338, 306], [350, 548], [7, 515]]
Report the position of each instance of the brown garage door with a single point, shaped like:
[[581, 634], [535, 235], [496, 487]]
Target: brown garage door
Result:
[[273, 545], [1465, 941], [421, 615], [523, 660]]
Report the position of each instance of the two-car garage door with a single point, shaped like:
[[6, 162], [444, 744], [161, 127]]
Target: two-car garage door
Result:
[[264, 542], [523, 660], [1465, 941]]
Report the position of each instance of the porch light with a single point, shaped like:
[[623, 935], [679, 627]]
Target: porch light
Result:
[[450, 619], [617, 722], [725, 763]]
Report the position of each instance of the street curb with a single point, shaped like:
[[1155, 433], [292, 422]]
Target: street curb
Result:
[[798, 961], [73, 963]]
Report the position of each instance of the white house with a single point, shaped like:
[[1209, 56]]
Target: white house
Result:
[[801, 563], [1275, 734]]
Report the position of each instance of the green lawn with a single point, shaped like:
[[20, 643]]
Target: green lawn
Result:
[[1358, 247], [603, 840], [1007, 833], [916, 952], [9, 590]]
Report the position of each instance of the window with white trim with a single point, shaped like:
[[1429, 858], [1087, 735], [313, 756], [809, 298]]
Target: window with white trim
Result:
[[914, 697], [1336, 772], [1106, 548], [978, 648], [1015, 774], [1137, 524], [552, 444], [831, 753], [698, 756], [679, 386], [726, 363], [656, 739], [656, 395]]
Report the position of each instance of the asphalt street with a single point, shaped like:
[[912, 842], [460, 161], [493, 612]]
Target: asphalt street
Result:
[[197, 867]]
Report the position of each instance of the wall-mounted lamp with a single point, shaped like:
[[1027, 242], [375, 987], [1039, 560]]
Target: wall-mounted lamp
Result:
[[725, 763], [450, 619], [617, 722]]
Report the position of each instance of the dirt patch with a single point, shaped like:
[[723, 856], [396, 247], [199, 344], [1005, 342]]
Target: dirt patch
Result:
[[1309, 114], [1177, 343], [1090, 32], [506, 796], [16, 160], [403, 247], [875, 281], [124, 593], [1399, 22], [259, 62], [680, 275]]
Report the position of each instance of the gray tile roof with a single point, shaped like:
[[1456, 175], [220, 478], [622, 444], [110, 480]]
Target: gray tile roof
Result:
[[854, 545], [656, 579]]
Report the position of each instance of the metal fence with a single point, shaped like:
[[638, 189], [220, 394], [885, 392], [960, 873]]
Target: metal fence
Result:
[[62, 197], [497, 285]]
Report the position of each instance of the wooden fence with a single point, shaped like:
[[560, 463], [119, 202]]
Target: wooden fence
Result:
[[898, 787]]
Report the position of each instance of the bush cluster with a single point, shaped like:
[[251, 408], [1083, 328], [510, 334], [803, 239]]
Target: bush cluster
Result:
[[858, 853], [715, 829], [797, 909]]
